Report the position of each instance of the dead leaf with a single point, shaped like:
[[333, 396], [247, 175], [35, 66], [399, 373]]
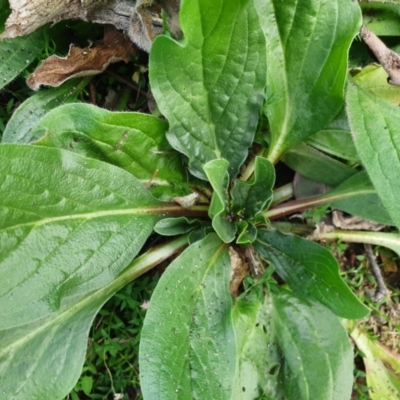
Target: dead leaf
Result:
[[354, 223], [239, 270], [389, 60], [81, 62]]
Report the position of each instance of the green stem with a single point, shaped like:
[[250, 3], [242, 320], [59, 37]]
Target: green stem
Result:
[[124, 99], [282, 194], [149, 260], [385, 239]]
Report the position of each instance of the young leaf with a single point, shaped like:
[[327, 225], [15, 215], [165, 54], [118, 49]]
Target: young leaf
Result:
[[251, 198], [69, 226], [176, 226], [187, 348], [317, 356], [27, 115], [217, 173], [310, 270], [133, 141], [307, 61], [212, 105], [17, 54], [375, 125]]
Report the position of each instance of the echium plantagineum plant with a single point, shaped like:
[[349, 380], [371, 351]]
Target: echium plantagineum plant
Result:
[[75, 211]]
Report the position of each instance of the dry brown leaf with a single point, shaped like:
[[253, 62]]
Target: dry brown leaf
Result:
[[81, 62], [239, 270]]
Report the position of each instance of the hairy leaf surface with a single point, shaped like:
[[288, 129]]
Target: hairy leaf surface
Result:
[[308, 43], [212, 105], [375, 125], [187, 348], [310, 270], [69, 226]]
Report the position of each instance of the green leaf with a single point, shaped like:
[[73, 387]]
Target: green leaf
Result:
[[187, 348], [375, 125], [317, 166], [213, 103], [69, 226], [133, 141], [335, 139], [247, 232], [307, 46], [217, 173], [18, 53], [251, 198], [373, 78], [258, 355], [310, 270], [317, 356], [355, 195], [358, 197], [27, 115]]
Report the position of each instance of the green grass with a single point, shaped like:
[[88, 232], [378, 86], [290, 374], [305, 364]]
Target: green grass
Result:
[[111, 367]]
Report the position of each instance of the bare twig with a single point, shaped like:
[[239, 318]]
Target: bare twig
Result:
[[389, 60], [381, 290], [126, 82]]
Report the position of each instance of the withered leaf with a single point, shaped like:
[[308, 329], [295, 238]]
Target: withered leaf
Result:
[[81, 62], [239, 269]]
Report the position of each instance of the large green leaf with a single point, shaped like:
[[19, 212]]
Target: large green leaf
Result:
[[18, 53], [133, 141], [308, 43], [69, 226], [27, 115], [187, 348], [212, 105], [310, 270], [317, 356], [375, 126]]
